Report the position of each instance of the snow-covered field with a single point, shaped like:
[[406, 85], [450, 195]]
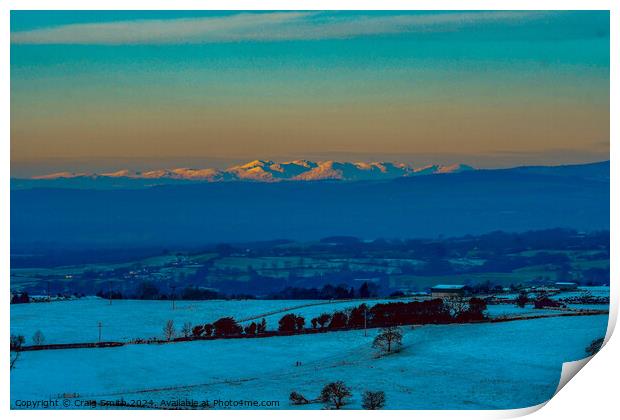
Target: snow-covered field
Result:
[[76, 321], [473, 366]]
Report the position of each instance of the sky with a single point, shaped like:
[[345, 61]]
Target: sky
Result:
[[151, 89]]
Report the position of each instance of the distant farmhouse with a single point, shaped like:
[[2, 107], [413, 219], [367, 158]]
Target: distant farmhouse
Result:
[[447, 290]]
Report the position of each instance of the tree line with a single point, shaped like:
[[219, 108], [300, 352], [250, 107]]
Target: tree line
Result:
[[381, 315], [150, 291]]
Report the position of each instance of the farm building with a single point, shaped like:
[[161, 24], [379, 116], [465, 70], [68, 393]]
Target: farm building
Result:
[[565, 285], [447, 290]]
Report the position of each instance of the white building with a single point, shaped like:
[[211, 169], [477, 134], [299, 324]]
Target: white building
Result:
[[447, 290]]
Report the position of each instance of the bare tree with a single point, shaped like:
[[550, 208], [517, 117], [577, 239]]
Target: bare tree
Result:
[[373, 400], [38, 338], [14, 358], [169, 331], [335, 394], [17, 342], [187, 329], [388, 339]]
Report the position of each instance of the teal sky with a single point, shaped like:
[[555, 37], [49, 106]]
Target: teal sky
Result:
[[105, 90]]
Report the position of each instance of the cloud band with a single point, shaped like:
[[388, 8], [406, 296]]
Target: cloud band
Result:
[[271, 26]]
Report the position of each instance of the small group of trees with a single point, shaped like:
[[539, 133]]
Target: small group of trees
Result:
[[541, 301], [544, 301], [337, 320], [522, 299], [170, 331], [291, 323], [435, 311], [336, 394], [320, 321], [466, 310], [205, 330], [20, 297], [228, 326]]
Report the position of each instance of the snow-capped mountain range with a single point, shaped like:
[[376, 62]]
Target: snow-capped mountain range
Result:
[[270, 171]]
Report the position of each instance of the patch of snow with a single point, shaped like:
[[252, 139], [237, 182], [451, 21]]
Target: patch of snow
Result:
[[270, 171], [473, 366]]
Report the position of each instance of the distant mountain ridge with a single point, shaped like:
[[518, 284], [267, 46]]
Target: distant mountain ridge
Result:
[[270, 171], [194, 213]]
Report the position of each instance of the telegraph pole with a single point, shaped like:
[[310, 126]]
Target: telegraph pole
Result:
[[365, 321], [173, 287], [110, 292], [99, 326]]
